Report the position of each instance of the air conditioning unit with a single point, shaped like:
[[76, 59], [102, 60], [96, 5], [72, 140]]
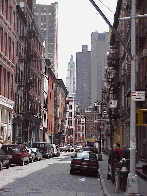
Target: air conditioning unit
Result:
[[144, 53]]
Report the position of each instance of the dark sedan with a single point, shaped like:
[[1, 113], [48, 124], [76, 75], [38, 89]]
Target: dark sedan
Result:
[[84, 162], [38, 155], [4, 160]]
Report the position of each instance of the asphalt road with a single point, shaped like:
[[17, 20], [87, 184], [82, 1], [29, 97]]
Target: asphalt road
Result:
[[49, 177]]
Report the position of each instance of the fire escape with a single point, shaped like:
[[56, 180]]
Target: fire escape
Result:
[[27, 114]]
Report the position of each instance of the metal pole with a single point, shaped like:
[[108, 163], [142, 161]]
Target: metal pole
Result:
[[100, 134], [132, 181]]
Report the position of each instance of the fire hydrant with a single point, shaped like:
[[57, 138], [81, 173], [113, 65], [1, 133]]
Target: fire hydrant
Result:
[[123, 178]]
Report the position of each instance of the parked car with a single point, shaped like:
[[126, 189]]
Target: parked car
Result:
[[45, 148], [38, 155], [78, 148], [61, 148], [31, 155], [19, 153], [4, 160], [68, 148], [84, 162]]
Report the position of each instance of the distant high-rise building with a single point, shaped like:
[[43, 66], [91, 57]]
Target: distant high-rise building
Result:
[[99, 48], [47, 19], [83, 78], [70, 79]]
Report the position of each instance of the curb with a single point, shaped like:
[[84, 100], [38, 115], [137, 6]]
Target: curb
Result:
[[103, 184]]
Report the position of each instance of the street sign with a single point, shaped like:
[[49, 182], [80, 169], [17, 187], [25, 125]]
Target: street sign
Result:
[[138, 95], [113, 103]]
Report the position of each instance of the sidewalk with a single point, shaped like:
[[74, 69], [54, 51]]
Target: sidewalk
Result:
[[109, 188]]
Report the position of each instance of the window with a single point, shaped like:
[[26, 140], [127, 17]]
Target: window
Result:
[[41, 18], [91, 117], [50, 96], [44, 117], [70, 107], [5, 44], [13, 52], [1, 7], [10, 14], [1, 38], [6, 9], [9, 48], [4, 81], [13, 20]]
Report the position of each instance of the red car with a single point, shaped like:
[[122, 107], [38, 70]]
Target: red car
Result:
[[19, 153]]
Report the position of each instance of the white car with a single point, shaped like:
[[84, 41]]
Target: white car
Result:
[[55, 153]]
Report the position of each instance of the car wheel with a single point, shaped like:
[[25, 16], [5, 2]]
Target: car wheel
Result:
[[1, 166], [31, 161], [71, 171], [7, 165], [22, 162]]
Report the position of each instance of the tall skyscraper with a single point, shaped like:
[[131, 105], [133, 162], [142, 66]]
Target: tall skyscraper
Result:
[[47, 19], [83, 78], [99, 48], [71, 78]]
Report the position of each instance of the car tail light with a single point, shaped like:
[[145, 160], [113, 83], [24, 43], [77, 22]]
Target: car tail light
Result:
[[76, 161], [93, 163]]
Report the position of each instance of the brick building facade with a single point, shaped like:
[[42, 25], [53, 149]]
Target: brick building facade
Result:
[[7, 67]]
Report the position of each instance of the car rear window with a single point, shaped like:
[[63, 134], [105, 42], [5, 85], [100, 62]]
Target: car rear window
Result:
[[11, 148], [38, 145], [83, 155], [86, 155]]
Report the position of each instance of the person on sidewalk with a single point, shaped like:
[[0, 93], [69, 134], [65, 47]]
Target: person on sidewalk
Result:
[[126, 152], [121, 152], [114, 158]]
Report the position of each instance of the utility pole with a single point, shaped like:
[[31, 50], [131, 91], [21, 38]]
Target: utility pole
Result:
[[132, 181]]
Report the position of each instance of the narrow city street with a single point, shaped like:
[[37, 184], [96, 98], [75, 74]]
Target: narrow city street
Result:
[[47, 177]]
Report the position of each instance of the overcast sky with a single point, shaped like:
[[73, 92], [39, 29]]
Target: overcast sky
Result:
[[77, 19]]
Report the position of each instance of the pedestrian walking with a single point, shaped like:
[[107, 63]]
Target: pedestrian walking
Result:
[[114, 158], [121, 152], [126, 152]]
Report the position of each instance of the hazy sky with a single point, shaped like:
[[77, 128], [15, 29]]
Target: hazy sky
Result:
[[77, 19]]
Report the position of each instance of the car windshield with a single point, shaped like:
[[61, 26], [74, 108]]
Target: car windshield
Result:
[[86, 155]]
